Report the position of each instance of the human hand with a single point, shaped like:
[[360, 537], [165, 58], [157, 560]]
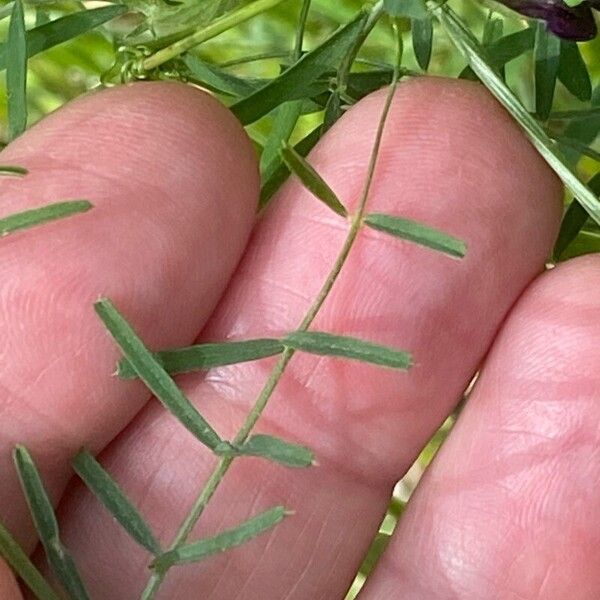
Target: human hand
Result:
[[509, 509]]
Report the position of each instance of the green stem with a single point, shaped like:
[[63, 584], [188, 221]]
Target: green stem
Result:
[[278, 371], [216, 28]]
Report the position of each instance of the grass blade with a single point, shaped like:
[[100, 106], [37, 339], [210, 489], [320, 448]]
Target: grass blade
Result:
[[422, 39], [23, 567], [312, 180], [104, 487], [221, 542], [472, 51], [59, 559], [547, 59], [574, 220], [573, 72], [207, 356], [45, 214], [327, 344], [416, 232], [16, 72], [66, 28], [154, 376], [277, 450], [296, 82], [13, 170]]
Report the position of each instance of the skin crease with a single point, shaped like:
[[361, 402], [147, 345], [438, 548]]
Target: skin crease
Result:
[[451, 158], [449, 152], [163, 192]]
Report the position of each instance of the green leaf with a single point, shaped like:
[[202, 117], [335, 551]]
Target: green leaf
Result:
[[333, 112], [579, 147], [59, 559], [45, 214], [327, 344], [312, 180], [23, 567], [422, 40], [61, 30], [207, 356], [16, 72], [469, 47], [296, 82], [576, 115], [223, 541], [574, 220], [13, 170], [104, 487], [415, 9], [277, 450], [217, 79], [547, 60], [573, 72], [154, 376], [416, 232], [573, 3]]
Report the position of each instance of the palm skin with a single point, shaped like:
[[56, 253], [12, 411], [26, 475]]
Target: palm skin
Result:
[[509, 508]]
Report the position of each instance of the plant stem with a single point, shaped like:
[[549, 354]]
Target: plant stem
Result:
[[206, 33], [280, 367]]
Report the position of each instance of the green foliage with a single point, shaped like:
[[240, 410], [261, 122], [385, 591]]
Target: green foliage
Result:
[[39, 216]]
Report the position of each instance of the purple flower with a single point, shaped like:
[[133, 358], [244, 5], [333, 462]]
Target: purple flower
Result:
[[571, 23]]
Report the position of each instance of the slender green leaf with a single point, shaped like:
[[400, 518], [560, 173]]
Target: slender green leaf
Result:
[[13, 170], [105, 488], [277, 450], [573, 72], [61, 30], [576, 115], [333, 111], [39, 216], [422, 40], [295, 83], [416, 232], [455, 29], [312, 180], [16, 72], [327, 344], [154, 376], [19, 561], [547, 60], [208, 356], [574, 220], [415, 9], [59, 559], [579, 147], [223, 541]]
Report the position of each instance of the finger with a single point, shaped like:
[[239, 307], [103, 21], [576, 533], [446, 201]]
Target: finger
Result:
[[9, 589], [440, 165], [169, 171], [510, 507]]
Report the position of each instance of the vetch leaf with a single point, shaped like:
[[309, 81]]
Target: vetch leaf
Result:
[[223, 541], [20, 563], [295, 83], [415, 9], [149, 370], [16, 72], [312, 180], [416, 232], [207, 356], [573, 72], [59, 559], [547, 59], [61, 30], [422, 40], [277, 450], [104, 487], [218, 79], [13, 170], [45, 214], [469, 47], [327, 344]]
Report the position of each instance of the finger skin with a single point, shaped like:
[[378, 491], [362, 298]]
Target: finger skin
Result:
[[510, 508], [450, 158], [173, 179], [9, 589]]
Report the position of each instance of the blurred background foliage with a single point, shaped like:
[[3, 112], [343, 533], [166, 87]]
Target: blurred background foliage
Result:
[[96, 58]]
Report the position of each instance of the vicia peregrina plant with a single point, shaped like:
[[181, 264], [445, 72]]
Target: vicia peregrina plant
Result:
[[165, 39]]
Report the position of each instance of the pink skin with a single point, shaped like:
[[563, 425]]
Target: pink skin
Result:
[[510, 507], [451, 158]]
